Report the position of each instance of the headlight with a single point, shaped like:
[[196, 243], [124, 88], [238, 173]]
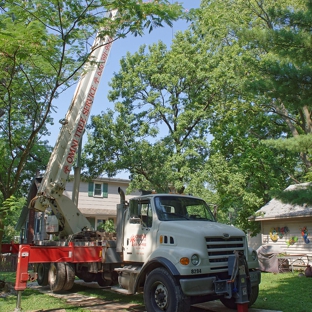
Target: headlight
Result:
[[195, 259]]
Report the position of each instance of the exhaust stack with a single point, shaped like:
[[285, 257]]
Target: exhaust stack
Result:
[[120, 211]]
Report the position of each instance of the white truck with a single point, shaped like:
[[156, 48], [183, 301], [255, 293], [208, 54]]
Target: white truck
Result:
[[167, 245], [178, 255]]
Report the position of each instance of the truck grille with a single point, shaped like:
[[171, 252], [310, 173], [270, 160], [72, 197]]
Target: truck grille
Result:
[[219, 250]]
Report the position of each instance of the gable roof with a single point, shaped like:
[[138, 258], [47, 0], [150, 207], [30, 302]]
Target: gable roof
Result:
[[276, 209]]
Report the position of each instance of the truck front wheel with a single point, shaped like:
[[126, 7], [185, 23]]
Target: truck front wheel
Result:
[[231, 303], [163, 293]]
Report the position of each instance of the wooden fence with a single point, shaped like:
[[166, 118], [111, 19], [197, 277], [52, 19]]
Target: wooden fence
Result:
[[8, 262]]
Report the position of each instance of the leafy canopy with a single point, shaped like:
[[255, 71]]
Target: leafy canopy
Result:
[[43, 47]]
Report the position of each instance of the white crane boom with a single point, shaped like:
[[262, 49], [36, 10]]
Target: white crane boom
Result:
[[50, 192]]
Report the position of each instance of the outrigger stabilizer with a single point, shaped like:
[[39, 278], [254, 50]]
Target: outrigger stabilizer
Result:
[[239, 285]]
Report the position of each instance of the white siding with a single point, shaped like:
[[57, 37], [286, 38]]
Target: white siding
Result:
[[99, 207], [294, 226]]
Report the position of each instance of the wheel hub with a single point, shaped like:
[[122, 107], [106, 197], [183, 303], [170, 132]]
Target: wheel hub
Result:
[[161, 296]]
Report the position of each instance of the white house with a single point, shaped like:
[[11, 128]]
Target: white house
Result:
[[98, 199], [287, 227]]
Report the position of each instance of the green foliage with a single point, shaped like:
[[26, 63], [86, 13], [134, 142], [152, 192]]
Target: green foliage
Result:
[[11, 208], [279, 39], [43, 50], [225, 113], [10, 234], [43, 47], [262, 105], [107, 226], [159, 103], [12, 205], [300, 143], [298, 196]]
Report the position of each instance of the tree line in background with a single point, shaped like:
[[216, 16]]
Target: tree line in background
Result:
[[224, 113]]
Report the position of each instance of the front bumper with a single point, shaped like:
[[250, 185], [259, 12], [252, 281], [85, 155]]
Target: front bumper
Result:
[[201, 286]]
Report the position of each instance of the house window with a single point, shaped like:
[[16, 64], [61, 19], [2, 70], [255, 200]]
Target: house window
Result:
[[96, 189]]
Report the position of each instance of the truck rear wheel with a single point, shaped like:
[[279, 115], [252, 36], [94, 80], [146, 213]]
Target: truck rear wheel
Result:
[[57, 276], [70, 276], [163, 293], [231, 303], [42, 273]]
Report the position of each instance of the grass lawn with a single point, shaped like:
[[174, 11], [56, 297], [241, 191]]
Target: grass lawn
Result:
[[33, 300], [285, 292]]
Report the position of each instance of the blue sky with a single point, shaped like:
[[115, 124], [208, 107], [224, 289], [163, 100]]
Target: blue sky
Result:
[[119, 49]]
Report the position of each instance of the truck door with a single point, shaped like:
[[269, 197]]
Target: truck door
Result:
[[139, 233]]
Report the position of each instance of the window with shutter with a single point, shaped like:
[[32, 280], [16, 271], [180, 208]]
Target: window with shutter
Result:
[[105, 190], [97, 189], [90, 189]]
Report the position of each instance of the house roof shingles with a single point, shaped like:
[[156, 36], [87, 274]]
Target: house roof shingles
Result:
[[276, 209]]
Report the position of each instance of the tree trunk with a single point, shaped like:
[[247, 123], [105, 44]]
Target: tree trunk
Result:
[[2, 217]]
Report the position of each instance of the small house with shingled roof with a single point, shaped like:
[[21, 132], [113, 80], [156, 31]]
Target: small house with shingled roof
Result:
[[286, 226]]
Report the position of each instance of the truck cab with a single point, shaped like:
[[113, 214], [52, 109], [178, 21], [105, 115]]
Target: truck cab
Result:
[[173, 240]]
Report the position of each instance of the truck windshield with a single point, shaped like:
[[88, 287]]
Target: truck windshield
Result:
[[171, 208]]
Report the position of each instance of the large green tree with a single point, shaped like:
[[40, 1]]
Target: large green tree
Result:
[[235, 76], [164, 102], [284, 68], [43, 47], [264, 106], [274, 37]]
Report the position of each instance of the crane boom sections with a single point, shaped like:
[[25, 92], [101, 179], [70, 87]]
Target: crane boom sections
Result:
[[63, 155]]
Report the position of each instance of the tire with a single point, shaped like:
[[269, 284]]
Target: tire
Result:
[[70, 276], [163, 293], [102, 281], [43, 273], [231, 303], [57, 276], [254, 295]]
